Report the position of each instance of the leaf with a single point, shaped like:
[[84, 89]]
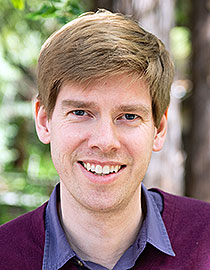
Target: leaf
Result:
[[44, 12], [18, 4], [73, 7]]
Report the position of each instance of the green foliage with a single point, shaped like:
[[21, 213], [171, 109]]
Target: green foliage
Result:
[[62, 11], [180, 42], [19, 4], [45, 11], [182, 13]]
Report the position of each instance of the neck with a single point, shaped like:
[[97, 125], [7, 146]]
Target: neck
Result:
[[110, 232]]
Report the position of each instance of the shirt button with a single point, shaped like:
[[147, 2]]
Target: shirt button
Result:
[[79, 262]]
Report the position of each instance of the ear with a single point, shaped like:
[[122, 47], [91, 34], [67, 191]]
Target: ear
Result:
[[160, 133], [42, 123]]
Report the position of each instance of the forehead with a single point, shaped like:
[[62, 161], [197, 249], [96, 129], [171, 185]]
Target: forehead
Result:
[[129, 87]]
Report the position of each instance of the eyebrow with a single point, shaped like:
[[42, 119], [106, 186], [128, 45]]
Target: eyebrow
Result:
[[124, 108], [78, 104], [136, 108]]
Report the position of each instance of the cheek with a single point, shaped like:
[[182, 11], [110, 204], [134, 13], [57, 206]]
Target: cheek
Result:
[[66, 141], [140, 152], [138, 141]]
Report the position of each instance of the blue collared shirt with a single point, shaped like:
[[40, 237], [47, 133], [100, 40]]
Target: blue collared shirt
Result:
[[57, 250]]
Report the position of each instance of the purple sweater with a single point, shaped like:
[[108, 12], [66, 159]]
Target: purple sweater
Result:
[[187, 222]]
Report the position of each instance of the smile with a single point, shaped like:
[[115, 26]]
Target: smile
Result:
[[101, 170]]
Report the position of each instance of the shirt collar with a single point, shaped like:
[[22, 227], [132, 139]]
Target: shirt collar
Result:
[[156, 230], [57, 250]]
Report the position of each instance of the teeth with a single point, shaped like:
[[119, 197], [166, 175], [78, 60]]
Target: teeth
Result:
[[88, 166], [106, 169], [98, 169], [116, 168]]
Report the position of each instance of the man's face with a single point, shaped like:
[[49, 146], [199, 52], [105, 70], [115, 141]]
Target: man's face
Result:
[[101, 136]]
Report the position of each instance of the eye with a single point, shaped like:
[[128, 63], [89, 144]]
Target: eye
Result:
[[130, 116], [78, 115], [79, 112]]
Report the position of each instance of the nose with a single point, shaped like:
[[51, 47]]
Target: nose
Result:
[[104, 136]]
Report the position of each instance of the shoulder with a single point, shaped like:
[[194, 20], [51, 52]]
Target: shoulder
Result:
[[188, 224], [22, 238], [186, 209], [185, 205]]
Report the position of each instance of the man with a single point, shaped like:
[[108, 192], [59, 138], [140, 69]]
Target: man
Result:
[[104, 88]]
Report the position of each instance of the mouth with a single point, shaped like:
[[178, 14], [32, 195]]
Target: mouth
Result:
[[100, 170]]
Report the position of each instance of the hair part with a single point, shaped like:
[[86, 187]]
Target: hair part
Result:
[[99, 45]]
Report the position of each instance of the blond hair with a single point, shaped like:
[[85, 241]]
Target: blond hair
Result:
[[99, 45]]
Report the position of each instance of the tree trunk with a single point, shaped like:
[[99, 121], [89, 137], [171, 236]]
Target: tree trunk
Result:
[[166, 168], [107, 4], [198, 161]]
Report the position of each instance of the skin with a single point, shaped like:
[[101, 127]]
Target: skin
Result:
[[108, 122]]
